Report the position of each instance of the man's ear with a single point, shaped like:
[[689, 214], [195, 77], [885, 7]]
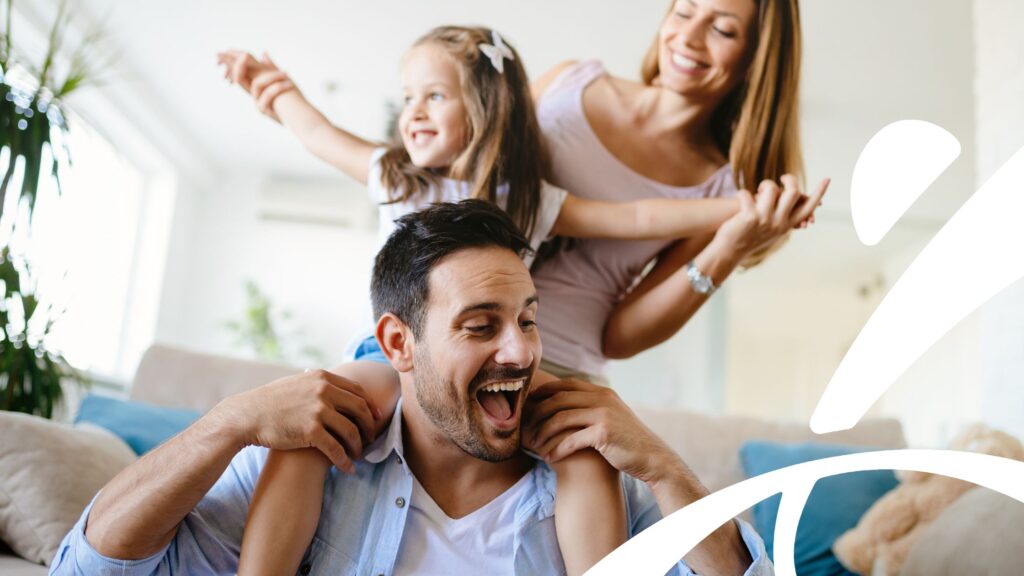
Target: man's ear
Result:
[[396, 341]]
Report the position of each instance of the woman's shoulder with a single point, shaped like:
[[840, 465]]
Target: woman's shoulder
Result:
[[567, 74], [540, 86]]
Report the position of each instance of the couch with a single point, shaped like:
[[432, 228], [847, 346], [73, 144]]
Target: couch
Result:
[[710, 444]]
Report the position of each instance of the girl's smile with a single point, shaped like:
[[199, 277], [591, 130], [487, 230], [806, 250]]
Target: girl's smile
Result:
[[433, 121]]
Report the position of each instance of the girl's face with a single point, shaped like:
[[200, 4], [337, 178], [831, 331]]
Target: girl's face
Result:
[[433, 122], [702, 47]]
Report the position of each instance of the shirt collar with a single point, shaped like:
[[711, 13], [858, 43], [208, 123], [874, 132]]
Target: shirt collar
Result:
[[390, 441]]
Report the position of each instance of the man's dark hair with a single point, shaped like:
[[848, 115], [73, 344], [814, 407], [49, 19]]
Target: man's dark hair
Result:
[[401, 271]]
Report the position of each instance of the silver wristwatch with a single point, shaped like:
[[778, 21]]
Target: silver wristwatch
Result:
[[702, 284]]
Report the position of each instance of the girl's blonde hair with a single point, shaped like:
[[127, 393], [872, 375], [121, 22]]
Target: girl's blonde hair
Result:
[[504, 140], [757, 125]]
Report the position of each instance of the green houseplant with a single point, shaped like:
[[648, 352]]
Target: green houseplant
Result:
[[257, 331], [31, 374]]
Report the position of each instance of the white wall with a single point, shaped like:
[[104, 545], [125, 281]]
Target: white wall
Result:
[[999, 87], [939, 394], [317, 272], [867, 64]]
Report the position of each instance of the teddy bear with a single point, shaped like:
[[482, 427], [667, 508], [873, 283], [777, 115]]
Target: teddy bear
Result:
[[881, 540]]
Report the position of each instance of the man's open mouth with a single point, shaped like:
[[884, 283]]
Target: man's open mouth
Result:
[[500, 401]]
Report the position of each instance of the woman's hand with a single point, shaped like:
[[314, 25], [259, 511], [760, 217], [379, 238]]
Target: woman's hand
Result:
[[262, 79], [764, 219]]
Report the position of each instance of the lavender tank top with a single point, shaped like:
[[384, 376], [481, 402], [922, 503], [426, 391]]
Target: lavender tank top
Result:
[[578, 288]]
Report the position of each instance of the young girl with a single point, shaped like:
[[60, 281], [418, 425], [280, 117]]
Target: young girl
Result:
[[467, 130]]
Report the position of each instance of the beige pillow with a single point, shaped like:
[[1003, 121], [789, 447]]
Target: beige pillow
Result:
[[48, 474], [981, 533]]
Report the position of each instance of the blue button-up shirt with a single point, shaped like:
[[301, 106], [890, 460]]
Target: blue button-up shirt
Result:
[[361, 523]]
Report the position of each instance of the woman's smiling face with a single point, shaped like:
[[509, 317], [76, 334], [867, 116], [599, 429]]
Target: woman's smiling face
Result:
[[702, 47]]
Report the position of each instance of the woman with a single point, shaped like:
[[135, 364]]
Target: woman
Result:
[[716, 111]]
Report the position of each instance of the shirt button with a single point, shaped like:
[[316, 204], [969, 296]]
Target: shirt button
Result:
[[304, 570], [399, 460], [400, 502]]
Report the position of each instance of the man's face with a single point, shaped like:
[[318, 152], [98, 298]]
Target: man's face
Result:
[[478, 350]]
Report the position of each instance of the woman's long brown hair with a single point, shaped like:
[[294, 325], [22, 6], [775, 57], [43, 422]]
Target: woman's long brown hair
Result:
[[504, 141], [757, 126]]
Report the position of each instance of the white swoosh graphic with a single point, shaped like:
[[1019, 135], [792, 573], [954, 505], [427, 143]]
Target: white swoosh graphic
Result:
[[978, 253], [896, 166], [658, 548]]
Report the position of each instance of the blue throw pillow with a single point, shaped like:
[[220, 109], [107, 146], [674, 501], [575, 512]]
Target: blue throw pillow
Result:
[[141, 426], [834, 506]]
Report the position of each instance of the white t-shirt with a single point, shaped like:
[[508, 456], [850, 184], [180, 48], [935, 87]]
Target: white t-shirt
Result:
[[480, 543], [551, 200]]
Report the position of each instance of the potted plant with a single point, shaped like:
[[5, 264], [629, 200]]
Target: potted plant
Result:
[[257, 332], [31, 97], [30, 374]]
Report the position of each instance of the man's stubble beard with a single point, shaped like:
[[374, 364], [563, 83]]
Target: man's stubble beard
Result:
[[454, 416]]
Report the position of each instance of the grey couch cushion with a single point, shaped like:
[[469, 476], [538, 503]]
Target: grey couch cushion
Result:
[[48, 474], [177, 378], [710, 444], [980, 534]]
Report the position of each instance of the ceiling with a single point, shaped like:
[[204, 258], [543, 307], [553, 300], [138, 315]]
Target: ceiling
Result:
[[344, 55]]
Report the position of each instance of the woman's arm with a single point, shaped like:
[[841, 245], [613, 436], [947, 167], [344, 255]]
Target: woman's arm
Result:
[[664, 301], [277, 96], [648, 219]]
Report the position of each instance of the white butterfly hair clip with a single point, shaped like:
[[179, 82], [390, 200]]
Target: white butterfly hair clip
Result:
[[497, 52]]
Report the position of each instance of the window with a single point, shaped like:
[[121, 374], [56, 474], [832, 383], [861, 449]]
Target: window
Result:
[[82, 247]]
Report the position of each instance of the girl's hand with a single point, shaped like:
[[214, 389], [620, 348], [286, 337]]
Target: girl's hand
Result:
[[262, 79], [763, 220], [239, 67]]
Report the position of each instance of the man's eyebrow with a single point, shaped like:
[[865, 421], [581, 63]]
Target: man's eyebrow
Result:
[[494, 306]]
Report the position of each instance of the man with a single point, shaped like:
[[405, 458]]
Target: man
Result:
[[456, 310]]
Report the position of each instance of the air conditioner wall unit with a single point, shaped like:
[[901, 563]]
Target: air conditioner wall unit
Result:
[[335, 202]]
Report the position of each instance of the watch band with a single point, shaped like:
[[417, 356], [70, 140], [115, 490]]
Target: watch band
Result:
[[702, 283]]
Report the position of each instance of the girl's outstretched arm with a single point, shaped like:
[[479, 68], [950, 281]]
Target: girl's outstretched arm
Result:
[[285, 508], [277, 96], [648, 219]]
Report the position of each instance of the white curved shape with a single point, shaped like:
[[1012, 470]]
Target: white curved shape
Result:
[[896, 166], [657, 549], [972, 258], [786, 523]]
